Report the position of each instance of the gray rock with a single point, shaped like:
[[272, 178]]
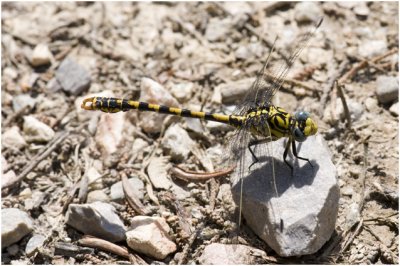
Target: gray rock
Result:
[[297, 217], [97, 195], [387, 89], [13, 250], [15, 224], [97, 219], [34, 244], [394, 109], [35, 130], [177, 143], [217, 29], [222, 254], [117, 193], [307, 11], [235, 91], [73, 78], [369, 49], [149, 235], [41, 55], [12, 138]]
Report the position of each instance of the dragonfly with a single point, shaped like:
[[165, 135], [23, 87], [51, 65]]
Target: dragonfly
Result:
[[257, 121]]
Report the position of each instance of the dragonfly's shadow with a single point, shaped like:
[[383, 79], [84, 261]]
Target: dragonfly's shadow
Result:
[[261, 181]]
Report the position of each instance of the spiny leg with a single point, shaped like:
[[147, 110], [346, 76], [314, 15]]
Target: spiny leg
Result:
[[298, 157]]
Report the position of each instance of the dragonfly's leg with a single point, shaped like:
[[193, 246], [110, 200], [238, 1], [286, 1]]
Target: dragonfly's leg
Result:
[[298, 157], [253, 143], [285, 153]]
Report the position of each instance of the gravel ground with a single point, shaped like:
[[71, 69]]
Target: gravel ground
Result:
[[201, 56]]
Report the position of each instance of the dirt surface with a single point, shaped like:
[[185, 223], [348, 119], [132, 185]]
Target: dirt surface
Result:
[[192, 49]]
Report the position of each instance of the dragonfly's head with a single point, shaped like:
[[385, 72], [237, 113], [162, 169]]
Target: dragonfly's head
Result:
[[304, 126]]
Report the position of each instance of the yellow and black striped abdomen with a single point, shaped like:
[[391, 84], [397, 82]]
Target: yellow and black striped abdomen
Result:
[[113, 105]]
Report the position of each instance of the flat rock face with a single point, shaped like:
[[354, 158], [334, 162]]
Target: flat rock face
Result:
[[299, 216]]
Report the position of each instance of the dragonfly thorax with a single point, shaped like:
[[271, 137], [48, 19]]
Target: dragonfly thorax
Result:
[[275, 122]]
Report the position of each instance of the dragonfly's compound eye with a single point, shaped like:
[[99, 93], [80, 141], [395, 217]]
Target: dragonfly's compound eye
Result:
[[302, 116], [299, 135]]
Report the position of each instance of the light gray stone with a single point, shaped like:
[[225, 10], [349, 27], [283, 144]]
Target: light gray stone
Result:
[[387, 89], [97, 219], [177, 143], [34, 243], [36, 131], [15, 224], [297, 217], [149, 235], [222, 254], [117, 193]]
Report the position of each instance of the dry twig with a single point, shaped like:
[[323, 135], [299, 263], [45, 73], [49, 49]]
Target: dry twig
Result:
[[199, 177], [345, 107]]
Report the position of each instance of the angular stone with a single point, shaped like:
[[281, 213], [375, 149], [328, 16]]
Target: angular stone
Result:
[[299, 216], [222, 254], [217, 29], [41, 55], [97, 219], [34, 243], [307, 11], [73, 77], [234, 91], [394, 109], [149, 235], [15, 224], [97, 195]]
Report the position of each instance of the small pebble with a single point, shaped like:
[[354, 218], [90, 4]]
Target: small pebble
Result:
[[361, 10], [217, 29], [371, 104], [387, 89], [97, 195], [37, 131], [117, 193], [41, 55]]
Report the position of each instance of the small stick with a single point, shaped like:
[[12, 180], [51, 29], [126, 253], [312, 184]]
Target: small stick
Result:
[[294, 82], [345, 107], [94, 242], [193, 176], [351, 239], [364, 176], [350, 74], [329, 85], [133, 201]]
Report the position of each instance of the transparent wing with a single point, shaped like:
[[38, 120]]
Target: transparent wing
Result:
[[267, 82]]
